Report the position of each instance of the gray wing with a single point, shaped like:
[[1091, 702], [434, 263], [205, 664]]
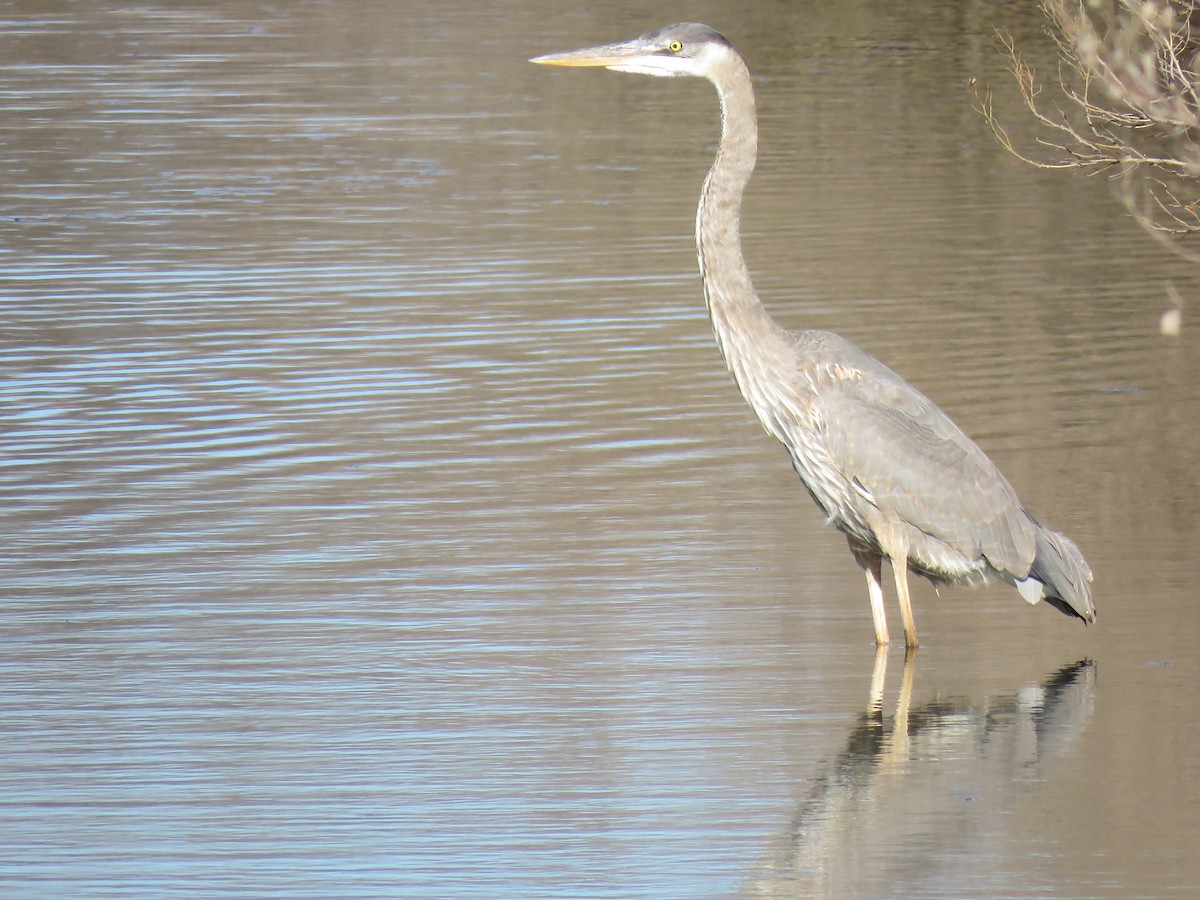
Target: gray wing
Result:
[[917, 466]]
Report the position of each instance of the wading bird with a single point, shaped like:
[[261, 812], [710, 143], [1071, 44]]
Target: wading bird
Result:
[[886, 465]]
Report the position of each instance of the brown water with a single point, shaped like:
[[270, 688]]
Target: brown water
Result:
[[381, 521]]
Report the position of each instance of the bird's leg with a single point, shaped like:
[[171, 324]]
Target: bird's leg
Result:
[[875, 592], [900, 572], [872, 566]]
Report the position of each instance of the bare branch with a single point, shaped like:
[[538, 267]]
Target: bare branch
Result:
[[1129, 103]]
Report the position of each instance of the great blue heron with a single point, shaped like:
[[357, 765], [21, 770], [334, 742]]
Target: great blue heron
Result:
[[886, 465]]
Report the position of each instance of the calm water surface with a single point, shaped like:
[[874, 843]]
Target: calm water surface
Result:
[[381, 522]]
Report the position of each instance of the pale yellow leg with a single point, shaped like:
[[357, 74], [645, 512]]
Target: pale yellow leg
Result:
[[900, 571], [872, 566], [875, 592]]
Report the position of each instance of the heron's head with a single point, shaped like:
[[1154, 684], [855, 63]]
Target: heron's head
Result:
[[684, 49]]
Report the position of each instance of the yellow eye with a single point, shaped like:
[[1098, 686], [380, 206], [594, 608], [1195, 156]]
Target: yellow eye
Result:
[[675, 46]]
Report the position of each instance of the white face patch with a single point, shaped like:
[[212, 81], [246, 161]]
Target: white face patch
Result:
[[670, 66], [640, 68], [662, 66]]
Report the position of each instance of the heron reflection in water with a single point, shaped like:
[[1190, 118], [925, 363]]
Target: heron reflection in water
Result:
[[916, 802], [886, 465]]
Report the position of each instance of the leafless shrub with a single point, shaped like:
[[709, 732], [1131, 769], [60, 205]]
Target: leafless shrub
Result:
[[1126, 103]]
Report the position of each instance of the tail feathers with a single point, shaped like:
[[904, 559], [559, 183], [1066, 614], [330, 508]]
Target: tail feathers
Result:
[[1060, 576]]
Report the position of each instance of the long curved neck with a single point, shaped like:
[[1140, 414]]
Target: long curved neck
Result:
[[745, 332]]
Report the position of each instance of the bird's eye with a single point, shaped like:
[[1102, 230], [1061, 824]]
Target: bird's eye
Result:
[[675, 46]]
